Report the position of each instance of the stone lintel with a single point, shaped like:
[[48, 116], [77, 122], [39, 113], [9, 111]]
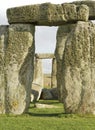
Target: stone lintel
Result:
[[48, 14], [91, 5], [44, 56]]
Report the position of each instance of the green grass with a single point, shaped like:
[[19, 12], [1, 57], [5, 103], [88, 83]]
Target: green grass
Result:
[[47, 119]]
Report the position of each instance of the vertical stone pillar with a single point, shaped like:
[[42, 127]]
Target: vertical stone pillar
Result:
[[38, 81], [3, 43], [53, 74], [62, 34], [78, 69], [19, 59], [38, 72]]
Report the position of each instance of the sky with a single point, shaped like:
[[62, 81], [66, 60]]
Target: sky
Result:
[[45, 37]]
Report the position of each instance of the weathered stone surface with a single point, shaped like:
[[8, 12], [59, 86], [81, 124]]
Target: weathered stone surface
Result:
[[49, 94], [38, 82], [48, 14], [38, 105], [78, 69], [47, 80], [3, 44], [44, 55], [75, 13], [19, 67], [35, 92], [54, 92], [62, 34], [90, 4], [46, 94], [53, 73]]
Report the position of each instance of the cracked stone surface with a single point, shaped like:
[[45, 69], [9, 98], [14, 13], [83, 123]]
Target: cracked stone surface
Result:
[[48, 14], [78, 69]]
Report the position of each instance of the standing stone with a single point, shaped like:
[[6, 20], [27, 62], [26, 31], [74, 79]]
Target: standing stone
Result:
[[3, 43], [62, 34], [37, 84], [53, 74], [78, 70], [19, 60]]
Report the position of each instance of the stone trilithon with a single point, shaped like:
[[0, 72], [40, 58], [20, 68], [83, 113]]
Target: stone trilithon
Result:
[[74, 55]]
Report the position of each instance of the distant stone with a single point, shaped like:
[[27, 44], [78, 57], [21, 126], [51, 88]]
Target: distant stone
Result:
[[48, 14], [54, 73], [46, 94], [38, 105], [54, 92], [37, 84], [36, 92], [49, 94], [78, 70], [44, 55]]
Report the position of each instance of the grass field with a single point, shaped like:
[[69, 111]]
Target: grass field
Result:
[[47, 119]]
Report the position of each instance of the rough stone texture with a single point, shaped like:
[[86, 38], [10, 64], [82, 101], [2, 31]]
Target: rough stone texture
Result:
[[47, 80], [49, 94], [35, 92], [91, 5], [62, 34], [38, 82], [38, 105], [78, 69], [48, 14], [75, 13], [44, 55], [19, 67], [54, 92], [46, 94], [3, 44], [53, 74]]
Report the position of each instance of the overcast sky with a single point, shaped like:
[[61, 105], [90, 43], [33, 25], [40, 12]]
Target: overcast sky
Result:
[[45, 37]]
